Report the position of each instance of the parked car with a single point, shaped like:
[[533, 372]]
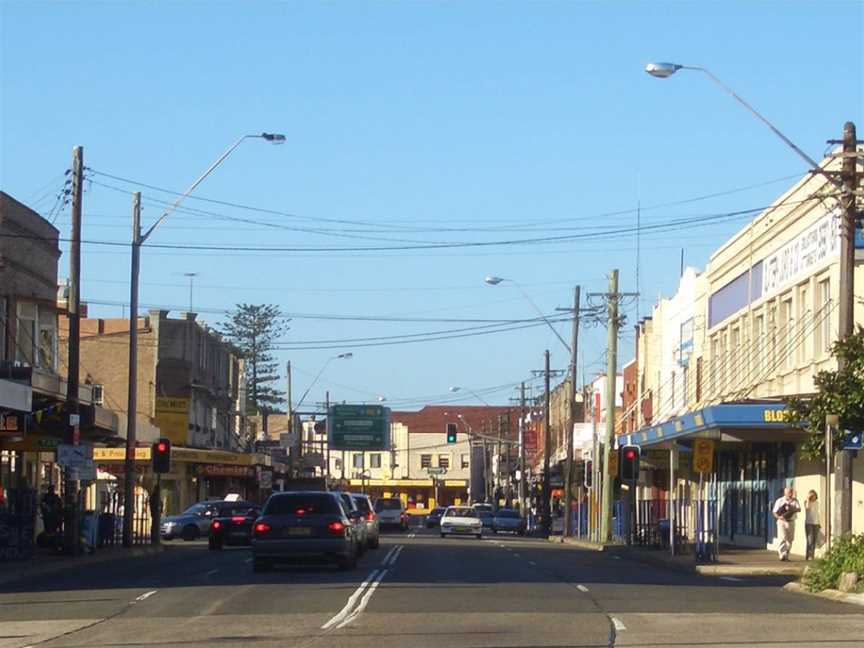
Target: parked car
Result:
[[484, 506], [357, 519], [509, 521], [233, 524], [192, 523], [434, 518], [391, 513], [373, 534], [303, 526], [461, 520], [486, 517]]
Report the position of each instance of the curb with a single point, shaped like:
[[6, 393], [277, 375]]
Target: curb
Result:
[[34, 568], [830, 594]]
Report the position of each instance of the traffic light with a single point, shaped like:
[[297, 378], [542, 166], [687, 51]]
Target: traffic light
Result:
[[589, 473], [629, 463], [451, 433], [161, 456]]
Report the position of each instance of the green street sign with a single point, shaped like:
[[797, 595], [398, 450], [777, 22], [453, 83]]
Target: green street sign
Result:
[[358, 427]]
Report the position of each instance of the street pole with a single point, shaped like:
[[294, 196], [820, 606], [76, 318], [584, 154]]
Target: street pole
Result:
[[568, 477], [294, 463], [842, 522], [522, 476], [73, 309], [129, 476], [611, 386], [547, 451], [326, 448]]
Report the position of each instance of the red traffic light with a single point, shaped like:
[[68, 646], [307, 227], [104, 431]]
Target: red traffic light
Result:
[[630, 454], [161, 447]]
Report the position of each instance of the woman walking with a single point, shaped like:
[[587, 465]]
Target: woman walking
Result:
[[812, 522]]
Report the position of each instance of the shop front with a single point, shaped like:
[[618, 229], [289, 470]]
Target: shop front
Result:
[[419, 496]]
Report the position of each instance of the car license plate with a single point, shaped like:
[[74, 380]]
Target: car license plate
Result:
[[299, 531]]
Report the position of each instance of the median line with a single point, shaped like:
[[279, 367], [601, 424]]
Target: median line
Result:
[[396, 555], [389, 554], [352, 600], [364, 601]]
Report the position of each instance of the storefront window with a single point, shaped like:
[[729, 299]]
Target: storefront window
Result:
[[426, 461], [375, 460]]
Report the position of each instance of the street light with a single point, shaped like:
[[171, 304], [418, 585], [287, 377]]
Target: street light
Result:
[[132, 404], [492, 280], [666, 70], [341, 356], [455, 389]]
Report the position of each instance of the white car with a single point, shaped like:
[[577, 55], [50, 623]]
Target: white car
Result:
[[461, 520]]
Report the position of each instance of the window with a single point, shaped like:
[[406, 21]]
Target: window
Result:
[[804, 332], [787, 339], [426, 461], [375, 460], [758, 342], [25, 340], [36, 339], [358, 460], [465, 462], [823, 331], [715, 363], [773, 331], [443, 461], [736, 359], [4, 326]]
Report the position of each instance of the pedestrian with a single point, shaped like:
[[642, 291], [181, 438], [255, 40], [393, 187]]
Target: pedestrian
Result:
[[51, 508], [785, 509], [812, 523]]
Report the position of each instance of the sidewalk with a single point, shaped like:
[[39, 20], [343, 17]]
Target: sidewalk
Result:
[[45, 564], [732, 561]]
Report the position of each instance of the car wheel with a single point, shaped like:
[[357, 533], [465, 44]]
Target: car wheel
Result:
[[215, 545], [190, 532], [259, 565], [376, 543], [443, 535], [495, 531], [479, 536]]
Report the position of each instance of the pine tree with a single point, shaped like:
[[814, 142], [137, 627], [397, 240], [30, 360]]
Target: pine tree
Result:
[[253, 329]]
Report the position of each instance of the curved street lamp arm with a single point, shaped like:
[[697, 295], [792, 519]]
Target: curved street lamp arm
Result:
[[542, 316], [312, 384]]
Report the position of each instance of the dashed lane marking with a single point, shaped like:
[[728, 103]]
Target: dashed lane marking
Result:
[[352, 600], [532, 563], [145, 596], [731, 578], [582, 588], [212, 572], [619, 624], [248, 560]]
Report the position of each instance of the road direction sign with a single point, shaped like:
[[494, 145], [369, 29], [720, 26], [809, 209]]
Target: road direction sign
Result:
[[358, 427], [432, 470], [74, 456]]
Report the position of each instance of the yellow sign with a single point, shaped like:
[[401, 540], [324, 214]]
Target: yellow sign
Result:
[[190, 455], [613, 462], [391, 482], [775, 416], [703, 455], [172, 419], [119, 454]]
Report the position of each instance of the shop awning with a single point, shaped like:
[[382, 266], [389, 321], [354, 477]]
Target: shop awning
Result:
[[735, 421], [15, 396]]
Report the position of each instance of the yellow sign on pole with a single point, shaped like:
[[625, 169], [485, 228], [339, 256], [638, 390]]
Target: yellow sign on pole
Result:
[[172, 419], [703, 455], [613, 462]]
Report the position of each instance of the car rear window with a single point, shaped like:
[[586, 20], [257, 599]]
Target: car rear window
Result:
[[241, 509], [362, 504], [461, 512], [308, 503], [388, 505]]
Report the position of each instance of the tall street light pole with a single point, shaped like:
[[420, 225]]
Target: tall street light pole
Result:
[[132, 405], [847, 184]]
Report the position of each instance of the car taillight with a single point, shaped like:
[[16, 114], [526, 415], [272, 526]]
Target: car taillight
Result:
[[237, 519], [216, 524], [336, 528], [370, 516], [261, 528]]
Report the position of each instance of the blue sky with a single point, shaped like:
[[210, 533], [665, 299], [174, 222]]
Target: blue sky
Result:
[[414, 121]]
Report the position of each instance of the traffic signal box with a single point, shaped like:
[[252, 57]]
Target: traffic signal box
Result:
[[589, 474], [451, 433], [628, 462], [161, 456]]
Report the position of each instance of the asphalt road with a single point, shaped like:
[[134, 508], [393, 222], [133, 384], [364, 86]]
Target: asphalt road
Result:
[[416, 591]]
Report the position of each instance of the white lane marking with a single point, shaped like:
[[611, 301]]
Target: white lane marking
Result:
[[345, 611], [731, 578], [248, 560], [146, 595], [617, 557], [412, 535], [532, 563], [212, 572], [396, 555], [364, 601], [619, 625], [582, 588], [517, 555], [389, 554]]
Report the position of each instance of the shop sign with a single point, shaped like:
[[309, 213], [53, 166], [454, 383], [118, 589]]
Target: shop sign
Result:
[[211, 456], [775, 416], [172, 418], [703, 455], [30, 443], [10, 423], [119, 454], [529, 440], [119, 469], [216, 470]]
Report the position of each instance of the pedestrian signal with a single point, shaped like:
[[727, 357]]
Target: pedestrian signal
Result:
[[161, 456]]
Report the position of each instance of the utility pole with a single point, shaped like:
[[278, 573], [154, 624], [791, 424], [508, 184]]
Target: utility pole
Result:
[[498, 466], [289, 396], [611, 386], [842, 509], [73, 308], [129, 476], [568, 477], [547, 450], [326, 449], [522, 475]]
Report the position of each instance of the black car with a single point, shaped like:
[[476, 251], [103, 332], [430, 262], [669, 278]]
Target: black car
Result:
[[232, 525], [434, 518]]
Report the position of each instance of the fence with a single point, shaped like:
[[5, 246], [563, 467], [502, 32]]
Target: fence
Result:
[[18, 526]]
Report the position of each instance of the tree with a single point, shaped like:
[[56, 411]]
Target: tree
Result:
[[839, 393], [253, 329]]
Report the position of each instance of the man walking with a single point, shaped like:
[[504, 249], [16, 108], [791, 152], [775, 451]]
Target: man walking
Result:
[[785, 509]]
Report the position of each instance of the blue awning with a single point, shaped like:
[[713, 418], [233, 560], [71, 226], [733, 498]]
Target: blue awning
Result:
[[727, 416]]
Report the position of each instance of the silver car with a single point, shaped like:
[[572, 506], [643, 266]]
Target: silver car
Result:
[[192, 523], [303, 526], [373, 533]]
